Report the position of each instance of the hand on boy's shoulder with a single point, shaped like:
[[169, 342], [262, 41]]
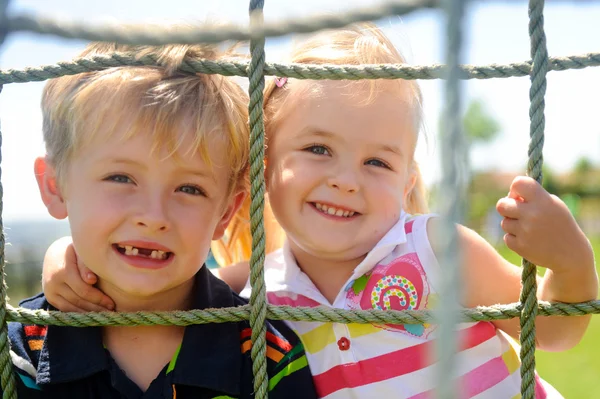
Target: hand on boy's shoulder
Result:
[[235, 275]]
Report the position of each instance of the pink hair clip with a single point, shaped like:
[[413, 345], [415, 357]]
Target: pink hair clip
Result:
[[279, 82]]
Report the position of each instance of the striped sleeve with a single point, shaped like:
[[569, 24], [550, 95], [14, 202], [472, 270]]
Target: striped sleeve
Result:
[[289, 374]]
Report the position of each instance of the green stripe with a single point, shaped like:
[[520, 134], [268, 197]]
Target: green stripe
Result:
[[223, 397], [294, 366], [295, 350], [173, 360]]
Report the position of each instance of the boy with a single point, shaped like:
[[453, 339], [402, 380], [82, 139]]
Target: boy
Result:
[[149, 164]]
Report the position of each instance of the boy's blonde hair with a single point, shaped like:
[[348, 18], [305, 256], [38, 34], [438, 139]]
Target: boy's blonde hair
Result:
[[357, 44], [160, 101]]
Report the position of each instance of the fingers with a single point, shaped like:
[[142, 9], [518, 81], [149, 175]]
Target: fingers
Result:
[[64, 305], [524, 188], [83, 297], [509, 207], [87, 296]]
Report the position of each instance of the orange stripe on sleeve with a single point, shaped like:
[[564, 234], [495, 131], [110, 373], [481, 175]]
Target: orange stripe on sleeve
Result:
[[36, 344]]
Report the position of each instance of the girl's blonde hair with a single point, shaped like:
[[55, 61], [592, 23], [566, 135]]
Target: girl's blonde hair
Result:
[[162, 101], [357, 44]]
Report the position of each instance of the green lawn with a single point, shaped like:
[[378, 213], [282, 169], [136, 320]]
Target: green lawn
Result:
[[574, 372]]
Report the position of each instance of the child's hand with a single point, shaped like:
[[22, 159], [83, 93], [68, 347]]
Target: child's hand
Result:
[[540, 228], [67, 284]]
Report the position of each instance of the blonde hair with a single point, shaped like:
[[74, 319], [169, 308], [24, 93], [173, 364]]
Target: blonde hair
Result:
[[158, 100], [356, 44]]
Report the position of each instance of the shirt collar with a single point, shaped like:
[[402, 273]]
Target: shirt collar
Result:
[[394, 237], [208, 357]]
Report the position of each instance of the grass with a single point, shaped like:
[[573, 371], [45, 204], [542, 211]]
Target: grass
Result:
[[574, 372]]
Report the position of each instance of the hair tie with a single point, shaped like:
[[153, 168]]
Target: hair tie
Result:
[[279, 82]]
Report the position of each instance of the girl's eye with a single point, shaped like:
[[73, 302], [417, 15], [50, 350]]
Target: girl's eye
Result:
[[192, 190], [317, 149], [378, 163], [119, 179]]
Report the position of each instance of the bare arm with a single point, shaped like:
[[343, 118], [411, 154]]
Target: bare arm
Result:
[[235, 276], [571, 276]]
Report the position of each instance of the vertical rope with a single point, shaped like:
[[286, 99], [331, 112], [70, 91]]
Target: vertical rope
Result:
[[453, 157], [258, 298], [539, 55], [7, 378]]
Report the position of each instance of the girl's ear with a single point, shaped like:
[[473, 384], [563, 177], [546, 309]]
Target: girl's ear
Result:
[[412, 180], [45, 174]]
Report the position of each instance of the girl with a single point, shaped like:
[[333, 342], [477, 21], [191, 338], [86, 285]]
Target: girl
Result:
[[345, 188]]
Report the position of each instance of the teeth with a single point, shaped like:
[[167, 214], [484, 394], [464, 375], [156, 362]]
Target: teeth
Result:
[[333, 211], [133, 251]]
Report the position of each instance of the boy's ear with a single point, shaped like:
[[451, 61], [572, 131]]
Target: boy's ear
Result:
[[234, 205], [45, 174]]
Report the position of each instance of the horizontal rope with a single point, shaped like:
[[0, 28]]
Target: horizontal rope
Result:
[[298, 71], [319, 313], [165, 34]]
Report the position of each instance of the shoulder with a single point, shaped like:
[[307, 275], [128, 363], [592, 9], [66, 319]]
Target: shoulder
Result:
[[287, 365], [26, 342]]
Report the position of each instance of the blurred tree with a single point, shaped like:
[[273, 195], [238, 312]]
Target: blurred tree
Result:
[[479, 125]]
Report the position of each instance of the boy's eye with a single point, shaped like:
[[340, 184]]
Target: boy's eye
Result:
[[119, 179], [317, 149], [378, 163], [192, 190]]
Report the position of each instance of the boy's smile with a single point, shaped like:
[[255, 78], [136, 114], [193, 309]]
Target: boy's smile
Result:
[[143, 218]]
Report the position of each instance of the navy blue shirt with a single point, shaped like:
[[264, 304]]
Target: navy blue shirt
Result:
[[213, 360]]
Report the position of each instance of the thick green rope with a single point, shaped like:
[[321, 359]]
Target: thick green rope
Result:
[[298, 71], [539, 55], [452, 210], [7, 378], [319, 313], [153, 35], [258, 296]]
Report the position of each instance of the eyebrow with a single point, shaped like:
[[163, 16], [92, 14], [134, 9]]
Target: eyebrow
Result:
[[393, 149], [182, 170], [311, 131]]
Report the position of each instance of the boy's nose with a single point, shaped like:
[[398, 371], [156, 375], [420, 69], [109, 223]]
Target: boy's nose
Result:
[[153, 217]]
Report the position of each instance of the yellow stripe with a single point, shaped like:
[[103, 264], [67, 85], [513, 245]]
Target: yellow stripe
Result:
[[357, 330], [36, 344], [517, 396], [511, 359], [317, 339]]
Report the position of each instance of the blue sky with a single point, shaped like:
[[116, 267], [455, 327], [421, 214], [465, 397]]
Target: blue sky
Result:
[[496, 32]]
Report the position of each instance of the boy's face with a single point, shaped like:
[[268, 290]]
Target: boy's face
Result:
[[142, 221]]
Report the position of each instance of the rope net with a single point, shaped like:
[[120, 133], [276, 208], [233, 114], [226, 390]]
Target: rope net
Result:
[[452, 139]]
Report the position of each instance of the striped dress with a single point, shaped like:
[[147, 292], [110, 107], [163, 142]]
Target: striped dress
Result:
[[393, 361]]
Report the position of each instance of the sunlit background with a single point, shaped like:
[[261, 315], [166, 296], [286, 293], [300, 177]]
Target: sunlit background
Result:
[[496, 120]]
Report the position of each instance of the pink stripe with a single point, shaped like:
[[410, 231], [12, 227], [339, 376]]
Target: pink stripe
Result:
[[540, 390], [477, 380], [408, 227], [394, 364], [483, 378], [283, 299]]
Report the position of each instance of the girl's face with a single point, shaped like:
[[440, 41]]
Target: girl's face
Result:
[[338, 170]]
